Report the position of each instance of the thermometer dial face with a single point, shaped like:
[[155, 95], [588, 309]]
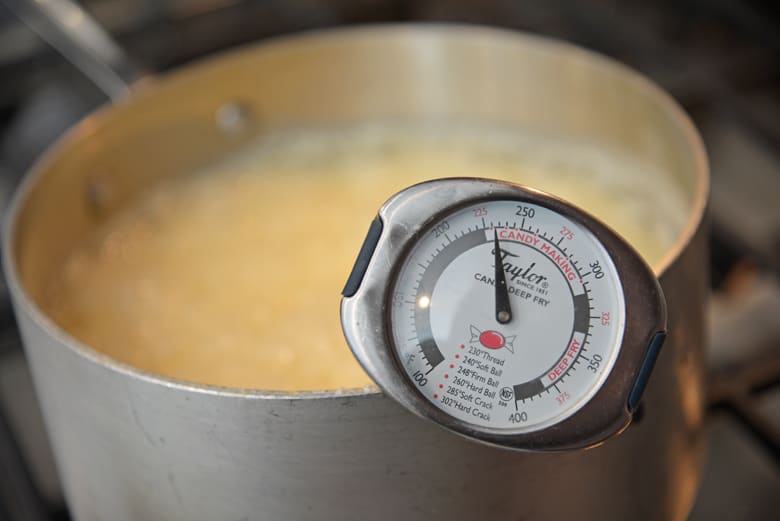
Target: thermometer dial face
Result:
[[504, 314], [507, 315]]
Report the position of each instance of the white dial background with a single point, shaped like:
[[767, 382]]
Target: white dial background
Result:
[[564, 336]]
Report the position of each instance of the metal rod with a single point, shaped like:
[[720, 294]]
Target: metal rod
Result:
[[77, 36]]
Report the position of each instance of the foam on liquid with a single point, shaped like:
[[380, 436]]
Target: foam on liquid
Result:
[[232, 276]]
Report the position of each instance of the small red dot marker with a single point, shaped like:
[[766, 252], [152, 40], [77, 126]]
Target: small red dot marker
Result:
[[441, 386], [446, 376], [462, 346], [435, 396], [452, 366], [457, 356]]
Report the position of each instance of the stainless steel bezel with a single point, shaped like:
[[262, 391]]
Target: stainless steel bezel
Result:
[[365, 317]]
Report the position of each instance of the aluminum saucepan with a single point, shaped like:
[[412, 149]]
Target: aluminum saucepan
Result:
[[132, 445]]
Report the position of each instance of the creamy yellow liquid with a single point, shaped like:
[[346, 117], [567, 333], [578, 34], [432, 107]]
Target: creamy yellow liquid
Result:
[[231, 276]]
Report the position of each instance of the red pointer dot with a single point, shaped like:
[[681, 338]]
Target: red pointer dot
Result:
[[452, 366], [435, 396], [462, 346], [446, 376], [457, 356], [441, 386]]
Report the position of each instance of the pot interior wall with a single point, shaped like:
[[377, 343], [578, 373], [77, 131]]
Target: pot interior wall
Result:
[[449, 74]]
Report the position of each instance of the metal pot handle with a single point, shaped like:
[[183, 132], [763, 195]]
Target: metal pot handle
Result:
[[81, 40]]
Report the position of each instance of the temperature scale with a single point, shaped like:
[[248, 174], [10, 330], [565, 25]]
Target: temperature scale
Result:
[[504, 314]]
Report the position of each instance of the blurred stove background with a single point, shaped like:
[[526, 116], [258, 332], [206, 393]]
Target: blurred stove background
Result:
[[720, 59]]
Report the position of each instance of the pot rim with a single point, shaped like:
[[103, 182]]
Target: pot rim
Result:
[[95, 119]]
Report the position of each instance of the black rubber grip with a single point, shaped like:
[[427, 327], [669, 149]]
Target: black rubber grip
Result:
[[363, 258], [644, 372]]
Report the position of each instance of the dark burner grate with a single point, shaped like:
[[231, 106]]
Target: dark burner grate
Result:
[[736, 391]]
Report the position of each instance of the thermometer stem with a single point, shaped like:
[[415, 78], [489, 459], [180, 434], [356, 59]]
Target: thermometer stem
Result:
[[503, 309]]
